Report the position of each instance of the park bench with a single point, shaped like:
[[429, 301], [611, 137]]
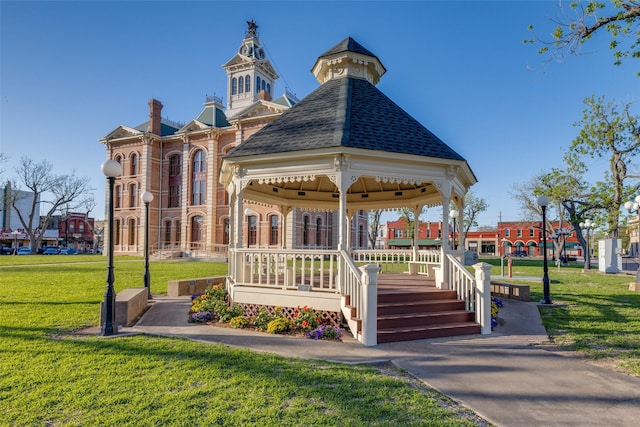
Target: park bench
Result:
[[510, 291], [176, 288]]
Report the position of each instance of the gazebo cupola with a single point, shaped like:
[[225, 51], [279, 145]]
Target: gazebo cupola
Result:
[[348, 59]]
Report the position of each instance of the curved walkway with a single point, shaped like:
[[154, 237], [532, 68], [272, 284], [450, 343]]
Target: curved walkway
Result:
[[503, 377]]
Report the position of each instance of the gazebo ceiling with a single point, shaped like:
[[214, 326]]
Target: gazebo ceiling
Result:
[[321, 193]]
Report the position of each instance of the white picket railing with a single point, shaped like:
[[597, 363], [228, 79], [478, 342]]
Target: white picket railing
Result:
[[398, 261], [287, 269], [475, 291]]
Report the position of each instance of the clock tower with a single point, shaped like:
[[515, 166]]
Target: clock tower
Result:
[[250, 76]]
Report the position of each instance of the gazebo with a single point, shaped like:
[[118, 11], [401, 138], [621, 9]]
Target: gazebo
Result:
[[346, 147]]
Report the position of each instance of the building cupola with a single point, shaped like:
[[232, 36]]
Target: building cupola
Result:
[[248, 73]]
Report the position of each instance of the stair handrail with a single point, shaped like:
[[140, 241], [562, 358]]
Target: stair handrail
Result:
[[475, 291], [360, 285]]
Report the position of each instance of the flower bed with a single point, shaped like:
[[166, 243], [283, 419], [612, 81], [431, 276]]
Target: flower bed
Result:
[[213, 306]]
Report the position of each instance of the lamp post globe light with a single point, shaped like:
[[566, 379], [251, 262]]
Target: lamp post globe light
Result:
[[543, 201], [111, 169], [146, 197], [587, 226], [634, 207], [454, 214]]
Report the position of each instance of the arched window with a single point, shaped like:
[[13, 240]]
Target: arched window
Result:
[[319, 231], [268, 88], [257, 84], [273, 236], [167, 232], [247, 84], [252, 225], [240, 84], [198, 179], [225, 231], [305, 230], [132, 231], [116, 232], [234, 86], [134, 164], [178, 238], [263, 85], [196, 229], [117, 202], [175, 180], [133, 195]]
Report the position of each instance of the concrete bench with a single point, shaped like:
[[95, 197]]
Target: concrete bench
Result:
[[510, 291], [177, 288], [130, 303]]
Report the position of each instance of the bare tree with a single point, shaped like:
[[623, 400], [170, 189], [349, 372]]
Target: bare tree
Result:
[[374, 225], [473, 206], [48, 191]]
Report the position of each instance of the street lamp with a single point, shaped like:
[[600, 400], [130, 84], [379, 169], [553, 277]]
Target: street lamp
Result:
[[111, 169], [543, 201], [587, 226], [147, 198], [634, 207], [15, 241], [454, 214]]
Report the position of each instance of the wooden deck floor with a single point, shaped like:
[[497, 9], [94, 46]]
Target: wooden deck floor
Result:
[[404, 283]]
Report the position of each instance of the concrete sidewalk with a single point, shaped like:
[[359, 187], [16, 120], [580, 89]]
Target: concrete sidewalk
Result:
[[503, 377]]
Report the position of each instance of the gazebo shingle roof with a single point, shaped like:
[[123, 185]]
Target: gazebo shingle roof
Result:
[[345, 112]]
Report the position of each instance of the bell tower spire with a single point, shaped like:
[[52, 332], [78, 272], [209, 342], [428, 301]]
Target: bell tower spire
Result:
[[250, 76]]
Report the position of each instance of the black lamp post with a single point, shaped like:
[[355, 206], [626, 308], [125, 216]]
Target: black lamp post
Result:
[[635, 207], [543, 201], [147, 198], [587, 226], [454, 214], [111, 169]]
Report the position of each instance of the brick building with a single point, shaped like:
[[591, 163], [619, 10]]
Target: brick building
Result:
[[179, 163], [509, 238]]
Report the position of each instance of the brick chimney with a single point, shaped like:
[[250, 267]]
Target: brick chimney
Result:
[[155, 110], [263, 95]]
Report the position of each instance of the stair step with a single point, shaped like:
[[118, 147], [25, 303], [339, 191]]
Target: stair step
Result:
[[420, 307], [429, 331], [390, 296], [423, 319]]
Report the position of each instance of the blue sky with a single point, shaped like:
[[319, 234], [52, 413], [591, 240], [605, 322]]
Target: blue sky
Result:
[[73, 71]]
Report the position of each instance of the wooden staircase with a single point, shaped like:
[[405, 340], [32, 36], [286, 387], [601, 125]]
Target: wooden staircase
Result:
[[411, 308]]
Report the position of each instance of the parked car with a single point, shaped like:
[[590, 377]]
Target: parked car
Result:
[[519, 253], [25, 250], [51, 251], [6, 250], [68, 251]]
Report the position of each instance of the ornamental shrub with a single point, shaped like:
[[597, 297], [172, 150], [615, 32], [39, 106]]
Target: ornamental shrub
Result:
[[201, 317], [306, 319], [279, 325], [262, 319], [238, 322], [325, 332], [226, 313]]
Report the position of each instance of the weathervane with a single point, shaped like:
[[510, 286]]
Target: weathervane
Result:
[[252, 29]]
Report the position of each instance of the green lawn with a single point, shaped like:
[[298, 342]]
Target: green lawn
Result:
[[594, 313], [50, 376]]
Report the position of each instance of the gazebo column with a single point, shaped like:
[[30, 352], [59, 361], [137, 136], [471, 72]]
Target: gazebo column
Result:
[[236, 218], [416, 231], [442, 279], [284, 212]]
